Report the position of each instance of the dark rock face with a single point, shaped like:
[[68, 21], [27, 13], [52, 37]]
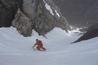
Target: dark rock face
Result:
[[40, 15], [79, 12], [8, 9], [91, 33]]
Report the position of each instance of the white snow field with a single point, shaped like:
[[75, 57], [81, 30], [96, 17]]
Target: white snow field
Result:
[[17, 50]]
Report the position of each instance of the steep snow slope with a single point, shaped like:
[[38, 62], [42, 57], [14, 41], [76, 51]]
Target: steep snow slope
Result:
[[17, 50]]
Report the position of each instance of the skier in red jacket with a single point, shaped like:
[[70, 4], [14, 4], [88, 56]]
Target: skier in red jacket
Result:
[[39, 45]]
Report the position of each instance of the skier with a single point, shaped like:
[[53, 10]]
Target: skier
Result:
[[39, 45]]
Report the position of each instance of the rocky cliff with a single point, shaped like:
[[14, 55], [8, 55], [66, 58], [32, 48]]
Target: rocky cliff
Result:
[[39, 15]]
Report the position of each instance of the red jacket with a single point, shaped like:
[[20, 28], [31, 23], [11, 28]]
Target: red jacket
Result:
[[39, 43]]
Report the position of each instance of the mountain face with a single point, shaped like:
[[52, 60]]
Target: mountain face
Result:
[[79, 12], [25, 15], [40, 15], [8, 9]]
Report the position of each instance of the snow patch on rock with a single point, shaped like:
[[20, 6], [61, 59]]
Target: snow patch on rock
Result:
[[48, 7]]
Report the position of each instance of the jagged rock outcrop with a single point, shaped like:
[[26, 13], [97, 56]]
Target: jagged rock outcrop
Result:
[[48, 17], [92, 32], [22, 23], [41, 16], [8, 9]]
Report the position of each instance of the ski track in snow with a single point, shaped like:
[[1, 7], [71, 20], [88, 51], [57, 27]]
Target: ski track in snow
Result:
[[17, 50]]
